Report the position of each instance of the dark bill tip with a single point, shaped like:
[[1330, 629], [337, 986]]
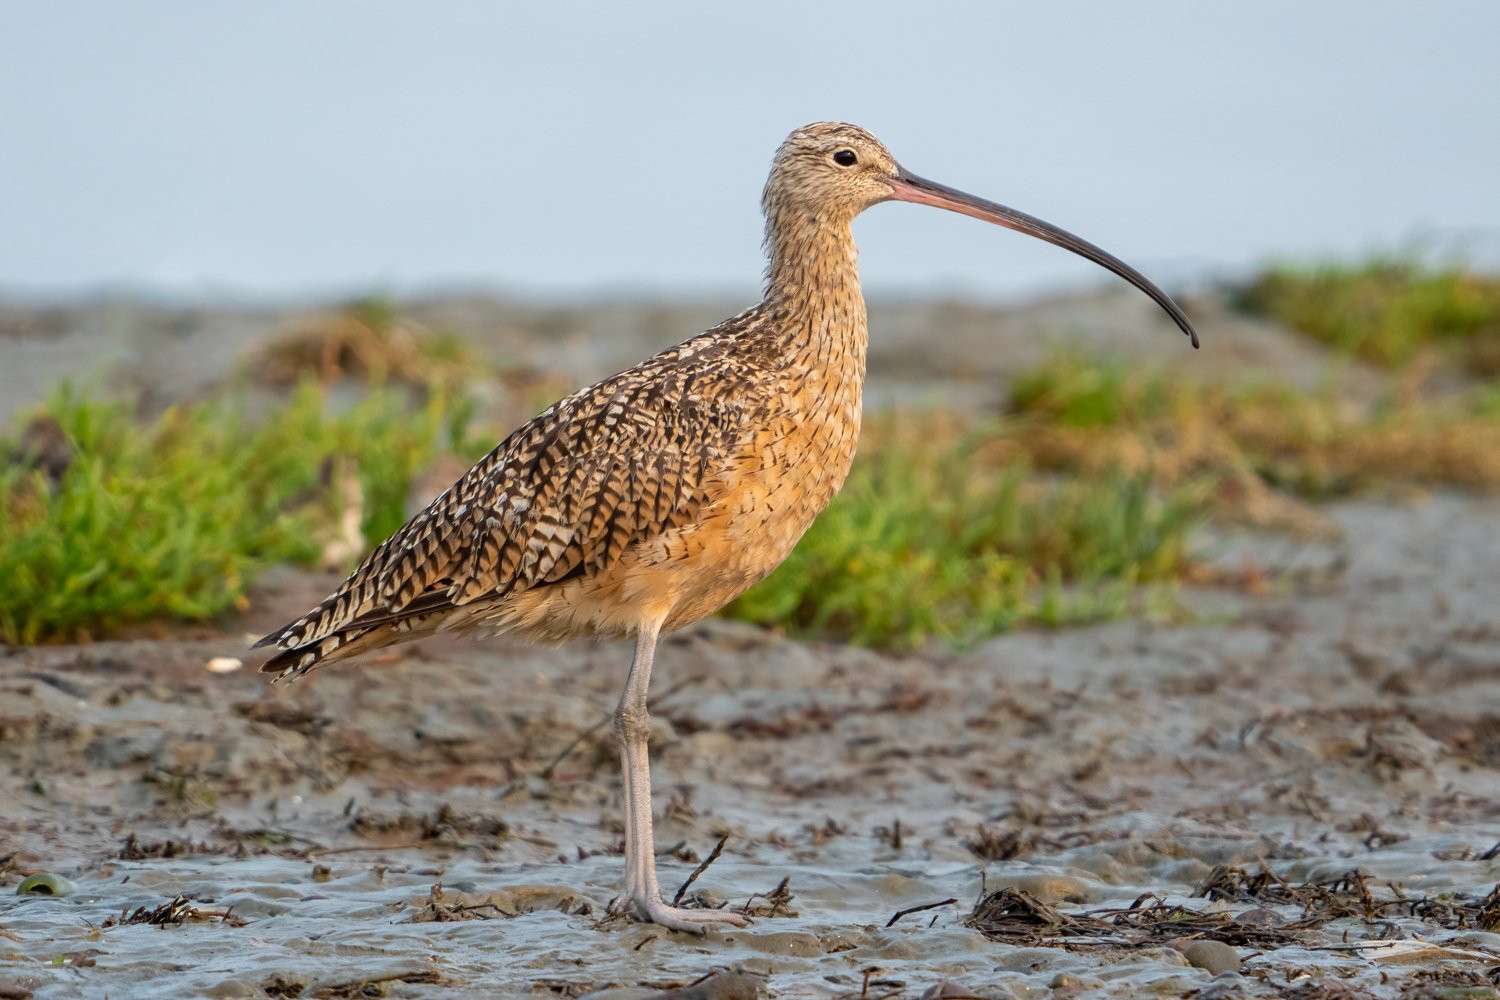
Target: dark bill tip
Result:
[[907, 186]]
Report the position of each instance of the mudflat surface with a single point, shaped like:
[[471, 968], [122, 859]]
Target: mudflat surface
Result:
[[446, 822], [1307, 774]]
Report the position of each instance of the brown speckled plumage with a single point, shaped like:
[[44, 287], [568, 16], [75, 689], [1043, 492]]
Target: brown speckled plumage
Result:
[[665, 490]]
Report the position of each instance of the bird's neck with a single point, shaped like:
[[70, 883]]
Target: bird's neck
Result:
[[812, 286], [810, 257], [814, 324]]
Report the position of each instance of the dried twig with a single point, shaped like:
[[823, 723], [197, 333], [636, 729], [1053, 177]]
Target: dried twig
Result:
[[713, 856], [918, 909]]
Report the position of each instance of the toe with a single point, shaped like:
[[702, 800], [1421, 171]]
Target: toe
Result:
[[691, 921], [652, 909]]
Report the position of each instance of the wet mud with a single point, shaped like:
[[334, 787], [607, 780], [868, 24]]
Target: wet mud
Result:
[[1295, 795]]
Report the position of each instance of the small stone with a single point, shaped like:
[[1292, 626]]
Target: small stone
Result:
[[947, 990], [1261, 917], [724, 986], [224, 665], [1066, 984], [1212, 956]]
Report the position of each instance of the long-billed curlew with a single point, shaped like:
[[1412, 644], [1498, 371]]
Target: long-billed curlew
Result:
[[652, 499]]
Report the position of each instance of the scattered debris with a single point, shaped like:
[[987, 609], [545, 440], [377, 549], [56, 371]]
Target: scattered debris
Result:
[[178, 911], [438, 909], [1014, 916], [134, 850], [996, 844], [445, 823], [776, 903]]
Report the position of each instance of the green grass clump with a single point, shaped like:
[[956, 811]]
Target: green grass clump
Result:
[[943, 542], [1385, 309], [1074, 392], [173, 518]]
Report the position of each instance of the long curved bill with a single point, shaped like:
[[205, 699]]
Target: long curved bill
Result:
[[907, 186]]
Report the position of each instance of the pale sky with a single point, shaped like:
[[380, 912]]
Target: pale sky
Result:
[[295, 147]]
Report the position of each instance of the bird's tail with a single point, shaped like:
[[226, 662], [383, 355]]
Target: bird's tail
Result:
[[295, 657], [289, 664]]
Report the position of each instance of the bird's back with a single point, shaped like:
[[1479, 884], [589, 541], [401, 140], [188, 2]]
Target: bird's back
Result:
[[663, 491]]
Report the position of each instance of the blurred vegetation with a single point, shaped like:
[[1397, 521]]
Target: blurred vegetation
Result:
[[367, 340], [106, 520], [1078, 504], [933, 537], [1385, 309], [1083, 416]]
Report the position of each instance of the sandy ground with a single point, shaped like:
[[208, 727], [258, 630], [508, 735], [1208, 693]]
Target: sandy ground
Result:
[[445, 821]]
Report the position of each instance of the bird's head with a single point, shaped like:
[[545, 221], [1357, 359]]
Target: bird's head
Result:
[[826, 173], [829, 172]]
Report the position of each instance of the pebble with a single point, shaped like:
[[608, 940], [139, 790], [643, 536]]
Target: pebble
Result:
[[724, 986], [948, 990], [1068, 981], [1212, 956]]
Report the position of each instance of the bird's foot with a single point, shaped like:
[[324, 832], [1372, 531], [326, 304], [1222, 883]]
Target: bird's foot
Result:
[[675, 918]]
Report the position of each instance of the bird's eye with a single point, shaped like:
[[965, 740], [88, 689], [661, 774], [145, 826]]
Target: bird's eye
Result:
[[845, 158]]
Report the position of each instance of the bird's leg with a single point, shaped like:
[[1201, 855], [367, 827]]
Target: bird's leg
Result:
[[641, 895]]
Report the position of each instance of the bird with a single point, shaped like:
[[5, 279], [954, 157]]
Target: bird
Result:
[[650, 500]]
